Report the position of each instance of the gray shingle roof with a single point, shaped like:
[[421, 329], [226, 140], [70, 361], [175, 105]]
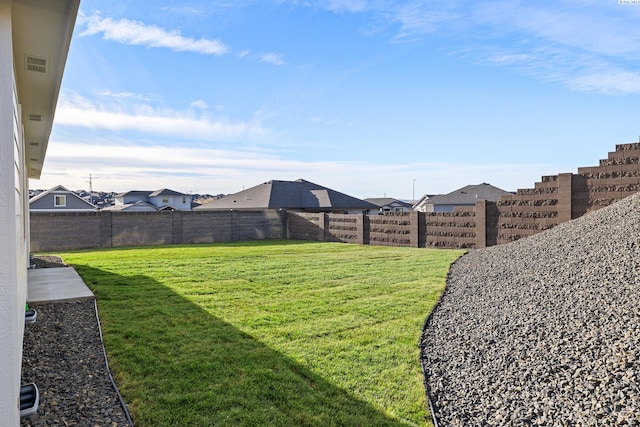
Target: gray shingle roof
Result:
[[299, 195], [386, 201], [134, 193], [144, 193], [165, 192], [469, 194], [130, 206]]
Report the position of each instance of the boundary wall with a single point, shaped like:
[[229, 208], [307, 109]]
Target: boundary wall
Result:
[[553, 200], [85, 230]]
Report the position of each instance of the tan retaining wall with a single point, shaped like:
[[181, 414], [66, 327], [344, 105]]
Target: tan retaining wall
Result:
[[553, 200]]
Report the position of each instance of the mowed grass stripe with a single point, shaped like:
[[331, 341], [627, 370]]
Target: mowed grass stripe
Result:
[[280, 333]]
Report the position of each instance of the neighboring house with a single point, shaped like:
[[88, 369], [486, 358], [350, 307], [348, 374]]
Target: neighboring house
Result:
[[387, 204], [99, 198], [299, 195], [465, 196], [60, 199], [138, 206], [34, 43], [159, 200], [421, 205]]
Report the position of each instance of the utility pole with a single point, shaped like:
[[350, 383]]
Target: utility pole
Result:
[[413, 200], [90, 188]]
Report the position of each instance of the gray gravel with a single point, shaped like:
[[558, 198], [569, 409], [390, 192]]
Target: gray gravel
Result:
[[63, 355], [542, 331]]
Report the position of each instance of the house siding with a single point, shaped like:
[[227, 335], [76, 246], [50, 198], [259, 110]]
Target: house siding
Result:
[[73, 203], [173, 201], [13, 228]]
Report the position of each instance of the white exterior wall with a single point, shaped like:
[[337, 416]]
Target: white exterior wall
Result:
[[181, 203], [13, 229]]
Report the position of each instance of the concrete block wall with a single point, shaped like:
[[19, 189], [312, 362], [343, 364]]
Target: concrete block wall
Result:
[[344, 228], [65, 231], [451, 229], [203, 227], [615, 178], [398, 229], [256, 225], [306, 226], [553, 200], [84, 230], [566, 196], [141, 229], [529, 211]]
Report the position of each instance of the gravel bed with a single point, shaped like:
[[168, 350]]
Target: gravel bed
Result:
[[63, 355], [542, 331], [47, 261]]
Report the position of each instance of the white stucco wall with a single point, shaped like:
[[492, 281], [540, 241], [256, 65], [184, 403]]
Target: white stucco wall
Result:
[[13, 246]]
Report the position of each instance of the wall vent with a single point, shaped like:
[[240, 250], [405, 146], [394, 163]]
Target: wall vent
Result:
[[34, 144], [35, 117], [36, 64]]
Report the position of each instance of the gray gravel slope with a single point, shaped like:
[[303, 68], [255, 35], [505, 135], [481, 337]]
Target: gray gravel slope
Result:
[[542, 331]]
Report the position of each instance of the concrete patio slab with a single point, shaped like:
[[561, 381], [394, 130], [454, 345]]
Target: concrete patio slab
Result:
[[56, 285]]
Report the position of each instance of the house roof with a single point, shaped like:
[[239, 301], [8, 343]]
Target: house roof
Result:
[[387, 201], [165, 192], [41, 32], [143, 193], [468, 195], [299, 194], [129, 206], [59, 189], [134, 193], [424, 199]]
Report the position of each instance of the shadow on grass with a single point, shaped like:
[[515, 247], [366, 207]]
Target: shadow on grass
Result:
[[178, 365]]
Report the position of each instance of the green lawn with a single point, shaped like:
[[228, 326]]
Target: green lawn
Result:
[[281, 333]]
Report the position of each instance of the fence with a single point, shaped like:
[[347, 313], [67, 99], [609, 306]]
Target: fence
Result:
[[81, 230], [553, 200], [382, 230]]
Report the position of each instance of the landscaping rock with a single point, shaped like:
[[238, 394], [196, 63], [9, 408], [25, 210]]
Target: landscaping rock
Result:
[[542, 331], [63, 355]]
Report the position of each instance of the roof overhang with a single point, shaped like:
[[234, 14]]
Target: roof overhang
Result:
[[42, 32]]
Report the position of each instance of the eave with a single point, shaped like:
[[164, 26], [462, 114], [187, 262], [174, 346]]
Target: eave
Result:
[[42, 31]]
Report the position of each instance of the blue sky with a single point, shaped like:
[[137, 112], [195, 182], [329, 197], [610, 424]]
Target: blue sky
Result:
[[370, 98]]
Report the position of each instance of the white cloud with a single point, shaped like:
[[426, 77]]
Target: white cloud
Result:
[[418, 18], [137, 33], [185, 10], [200, 104], [553, 41], [347, 5], [599, 28], [127, 166], [79, 112], [272, 58], [607, 82], [124, 95], [509, 59]]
